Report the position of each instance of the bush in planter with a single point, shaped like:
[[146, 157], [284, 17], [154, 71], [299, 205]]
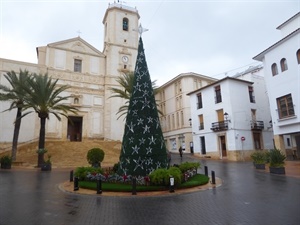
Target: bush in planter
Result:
[[260, 158], [277, 158], [5, 162], [95, 156], [47, 165]]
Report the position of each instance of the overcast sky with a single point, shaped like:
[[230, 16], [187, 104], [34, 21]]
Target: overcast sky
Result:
[[207, 37]]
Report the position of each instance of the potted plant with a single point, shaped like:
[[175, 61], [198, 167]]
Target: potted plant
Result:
[[277, 158], [259, 159], [95, 156], [47, 165], [5, 162]]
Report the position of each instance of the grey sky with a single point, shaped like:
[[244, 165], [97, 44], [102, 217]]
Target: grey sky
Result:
[[206, 37]]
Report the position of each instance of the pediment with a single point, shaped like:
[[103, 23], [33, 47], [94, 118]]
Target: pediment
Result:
[[76, 45]]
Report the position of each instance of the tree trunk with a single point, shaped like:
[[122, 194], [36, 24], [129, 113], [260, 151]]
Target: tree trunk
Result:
[[16, 135], [42, 141]]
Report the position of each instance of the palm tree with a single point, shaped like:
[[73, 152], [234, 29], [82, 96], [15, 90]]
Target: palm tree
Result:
[[45, 100], [15, 94], [126, 82]]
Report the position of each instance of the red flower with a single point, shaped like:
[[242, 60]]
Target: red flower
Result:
[[124, 177]]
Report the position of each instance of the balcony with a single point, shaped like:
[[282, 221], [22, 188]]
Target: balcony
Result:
[[257, 125], [219, 126]]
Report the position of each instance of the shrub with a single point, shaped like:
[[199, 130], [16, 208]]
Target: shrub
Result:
[[82, 172], [159, 177], [276, 158], [5, 160], [188, 165], [162, 176], [95, 156], [176, 174], [259, 157]]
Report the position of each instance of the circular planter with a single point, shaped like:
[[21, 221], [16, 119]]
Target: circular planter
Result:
[[277, 170]]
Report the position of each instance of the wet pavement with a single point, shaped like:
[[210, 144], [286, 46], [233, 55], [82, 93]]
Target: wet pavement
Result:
[[246, 196]]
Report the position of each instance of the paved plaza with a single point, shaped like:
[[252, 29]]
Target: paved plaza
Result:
[[246, 196]]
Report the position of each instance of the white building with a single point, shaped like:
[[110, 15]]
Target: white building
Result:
[[90, 73], [230, 117], [175, 106], [282, 74]]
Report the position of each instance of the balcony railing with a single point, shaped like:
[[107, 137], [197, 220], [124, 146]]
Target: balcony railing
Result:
[[201, 126], [219, 126], [257, 125]]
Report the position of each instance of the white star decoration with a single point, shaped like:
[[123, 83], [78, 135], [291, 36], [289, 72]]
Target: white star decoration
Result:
[[152, 140], [142, 141], [140, 121], [138, 163], [130, 127], [135, 149], [131, 139], [146, 129], [148, 150]]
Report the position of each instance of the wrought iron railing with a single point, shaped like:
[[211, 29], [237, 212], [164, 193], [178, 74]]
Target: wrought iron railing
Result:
[[257, 125], [219, 126]]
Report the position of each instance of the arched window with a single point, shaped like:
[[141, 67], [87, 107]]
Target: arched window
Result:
[[283, 64], [274, 69], [125, 24], [298, 56]]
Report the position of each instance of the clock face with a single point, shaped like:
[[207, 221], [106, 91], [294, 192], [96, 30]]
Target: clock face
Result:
[[125, 59]]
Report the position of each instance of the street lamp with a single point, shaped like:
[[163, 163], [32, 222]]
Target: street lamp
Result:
[[226, 117]]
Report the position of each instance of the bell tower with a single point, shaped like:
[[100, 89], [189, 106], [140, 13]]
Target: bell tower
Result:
[[120, 48], [120, 38]]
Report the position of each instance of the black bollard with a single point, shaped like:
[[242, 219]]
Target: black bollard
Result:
[[134, 186], [99, 186], [206, 170], [213, 178], [71, 176], [76, 181]]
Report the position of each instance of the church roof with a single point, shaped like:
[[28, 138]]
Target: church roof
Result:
[[76, 39]]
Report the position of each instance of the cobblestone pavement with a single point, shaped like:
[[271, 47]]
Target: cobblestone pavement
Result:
[[247, 196]]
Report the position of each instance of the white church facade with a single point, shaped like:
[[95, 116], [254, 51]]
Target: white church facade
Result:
[[89, 72]]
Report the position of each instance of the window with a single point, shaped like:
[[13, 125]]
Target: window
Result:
[[199, 101], [274, 69], [283, 64], [298, 56], [218, 96], [77, 65], [201, 123], [285, 106], [251, 94], [125, 24], [182, 119]]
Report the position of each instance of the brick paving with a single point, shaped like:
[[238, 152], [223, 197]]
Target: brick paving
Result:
[[246, 196]]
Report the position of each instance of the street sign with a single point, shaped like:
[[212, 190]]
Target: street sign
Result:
[[243, 138]]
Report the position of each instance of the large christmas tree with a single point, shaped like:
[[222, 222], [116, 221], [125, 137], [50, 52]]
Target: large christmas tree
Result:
[[143, 147]]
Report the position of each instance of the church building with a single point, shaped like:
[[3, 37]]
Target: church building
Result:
[[89, 72]]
